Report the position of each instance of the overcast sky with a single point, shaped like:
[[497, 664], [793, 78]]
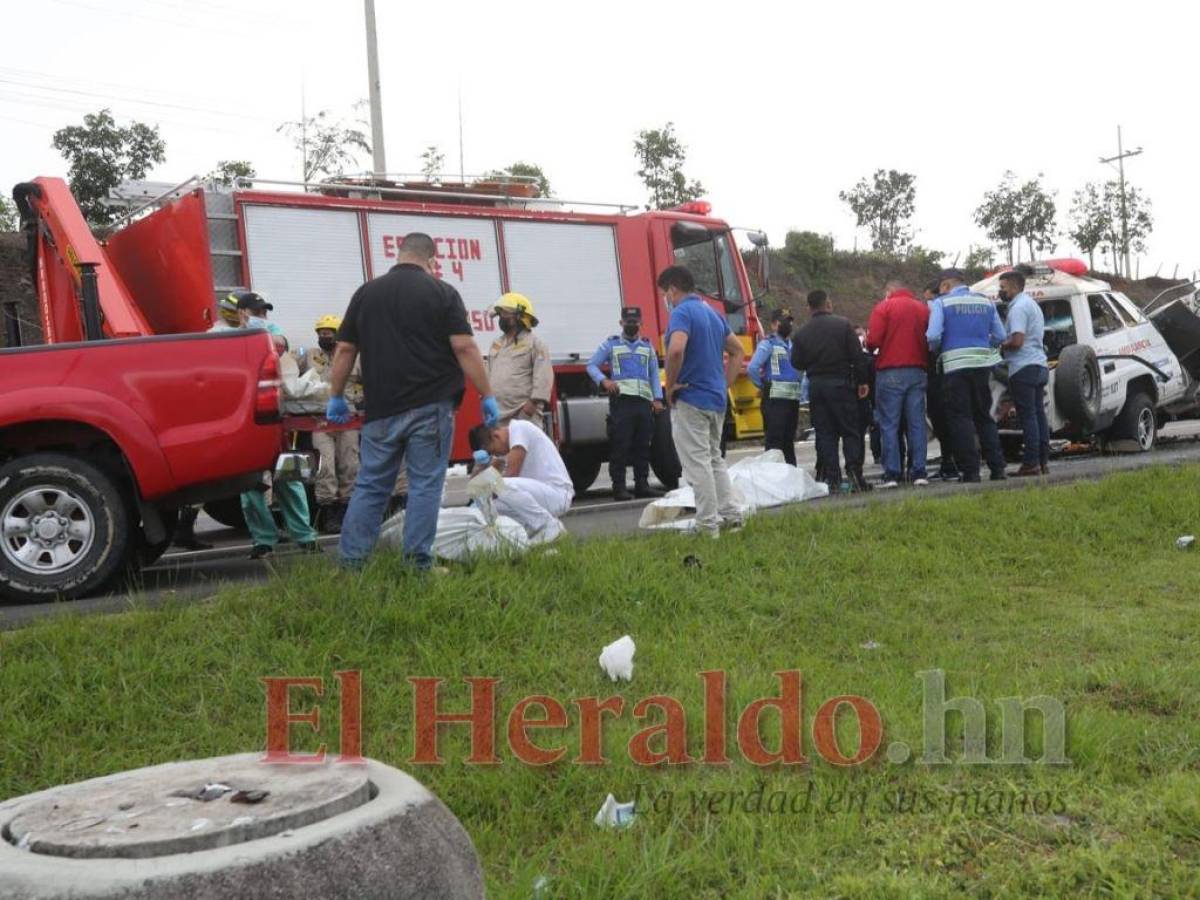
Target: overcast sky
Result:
[[781, 106]]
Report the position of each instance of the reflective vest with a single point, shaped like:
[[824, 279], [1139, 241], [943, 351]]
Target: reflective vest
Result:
[[967, 331], [785, 380], [631, 366]]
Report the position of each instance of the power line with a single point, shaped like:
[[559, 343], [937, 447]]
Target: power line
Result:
[[69, 106], [57, 79], [163, 104]]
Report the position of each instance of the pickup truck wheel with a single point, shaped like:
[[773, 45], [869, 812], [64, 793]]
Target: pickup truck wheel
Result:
[[227, 511], [1077, 386], [1136, 422], [64, 528], [664, 461]]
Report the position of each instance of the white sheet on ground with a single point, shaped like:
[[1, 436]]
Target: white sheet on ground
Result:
[[760, 482], [463, 531]]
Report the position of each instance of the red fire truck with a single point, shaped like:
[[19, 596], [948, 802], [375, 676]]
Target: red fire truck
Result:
[[309, 246]]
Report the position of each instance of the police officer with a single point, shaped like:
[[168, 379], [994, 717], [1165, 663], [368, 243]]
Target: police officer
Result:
[[772, 371], [518, 365], [634, 397], [966, 329], [338, 449]]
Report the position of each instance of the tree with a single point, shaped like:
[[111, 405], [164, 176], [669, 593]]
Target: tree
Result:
[[101, 155], [1089, 221], [228, 170], [433, 161], [999, 214], [8, 215], [661, 156], [884, 205], [524, 170], [327, 145], [809, 255], [1013, 214], [1036, 213], [1140, 221]]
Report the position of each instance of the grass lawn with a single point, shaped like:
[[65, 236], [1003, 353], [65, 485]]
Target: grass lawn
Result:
[[1075, 592]]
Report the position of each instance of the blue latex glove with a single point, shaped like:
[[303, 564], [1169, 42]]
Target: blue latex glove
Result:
[[491, 411], [338, 410], [481, 457]]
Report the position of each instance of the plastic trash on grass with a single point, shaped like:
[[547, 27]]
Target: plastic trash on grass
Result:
[[1185, 542], [613, 814], [617, 658]]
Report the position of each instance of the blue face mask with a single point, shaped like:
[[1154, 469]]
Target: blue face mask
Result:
[[256, 322]]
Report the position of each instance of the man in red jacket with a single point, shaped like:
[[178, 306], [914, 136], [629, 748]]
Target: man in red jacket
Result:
[[897, 331]]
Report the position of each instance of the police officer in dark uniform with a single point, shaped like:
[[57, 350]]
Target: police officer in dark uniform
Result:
[[635, 397]]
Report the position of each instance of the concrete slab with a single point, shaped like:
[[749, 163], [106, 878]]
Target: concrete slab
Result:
[[330, 830]]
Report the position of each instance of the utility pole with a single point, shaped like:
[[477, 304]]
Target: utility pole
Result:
[[1119, 159], [376, 107]]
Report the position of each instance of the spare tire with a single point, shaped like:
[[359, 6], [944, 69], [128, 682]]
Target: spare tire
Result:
[[1077, 386]]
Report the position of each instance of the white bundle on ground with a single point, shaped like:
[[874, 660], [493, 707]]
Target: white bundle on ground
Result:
[[463, 531], [468, 530], [759, 482]]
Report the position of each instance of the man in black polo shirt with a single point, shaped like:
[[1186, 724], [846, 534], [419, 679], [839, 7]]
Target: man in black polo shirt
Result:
[[830, 353], [416, 345]]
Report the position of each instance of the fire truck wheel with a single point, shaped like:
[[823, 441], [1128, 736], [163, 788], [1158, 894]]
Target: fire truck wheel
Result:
[[663, 458], [583, 466], [227, 511], [65, 529]]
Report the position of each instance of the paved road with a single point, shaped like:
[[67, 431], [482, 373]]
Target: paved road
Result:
[[198, 575]]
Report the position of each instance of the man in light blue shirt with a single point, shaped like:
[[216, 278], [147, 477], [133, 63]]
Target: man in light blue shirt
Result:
[[703, 360], [1028, 373]]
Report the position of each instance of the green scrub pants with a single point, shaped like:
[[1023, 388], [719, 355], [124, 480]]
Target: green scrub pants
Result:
[[293, 503]]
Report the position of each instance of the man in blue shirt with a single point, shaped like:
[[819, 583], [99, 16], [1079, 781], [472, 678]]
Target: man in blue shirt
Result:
[[966, 329], [1028, 373], [699, 377], [634, 397], [772, 372]]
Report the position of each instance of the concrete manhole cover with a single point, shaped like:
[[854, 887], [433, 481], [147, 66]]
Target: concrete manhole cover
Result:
[[158, 812]]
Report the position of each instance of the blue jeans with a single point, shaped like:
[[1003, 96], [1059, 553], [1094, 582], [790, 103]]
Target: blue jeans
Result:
[[1027, 386], [422, 438], [901, 391]]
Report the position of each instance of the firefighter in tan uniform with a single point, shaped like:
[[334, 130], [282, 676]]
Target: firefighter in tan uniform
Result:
[[338, 449], [519, 364]]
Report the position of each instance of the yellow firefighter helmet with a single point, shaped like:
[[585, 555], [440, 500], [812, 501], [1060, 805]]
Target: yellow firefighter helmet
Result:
[[518, 303], [328, 321], [228, 308]]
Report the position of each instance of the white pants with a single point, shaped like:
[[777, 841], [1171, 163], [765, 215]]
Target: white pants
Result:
[[697, 436], [535, 505]]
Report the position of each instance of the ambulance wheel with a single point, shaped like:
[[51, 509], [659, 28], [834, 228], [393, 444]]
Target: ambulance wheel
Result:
[[583, 466], [664, 461], [1136, 423], [65, 528]]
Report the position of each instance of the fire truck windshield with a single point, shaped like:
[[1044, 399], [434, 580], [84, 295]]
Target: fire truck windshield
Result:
[[709, 256]]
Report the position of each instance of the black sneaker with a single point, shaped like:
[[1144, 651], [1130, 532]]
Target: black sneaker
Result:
[[261, 551], [999, 476]]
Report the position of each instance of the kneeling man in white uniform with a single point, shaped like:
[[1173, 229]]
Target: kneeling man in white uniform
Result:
[[537, 488]]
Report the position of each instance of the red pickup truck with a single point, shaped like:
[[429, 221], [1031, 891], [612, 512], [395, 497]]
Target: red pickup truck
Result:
[[101, 442]]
